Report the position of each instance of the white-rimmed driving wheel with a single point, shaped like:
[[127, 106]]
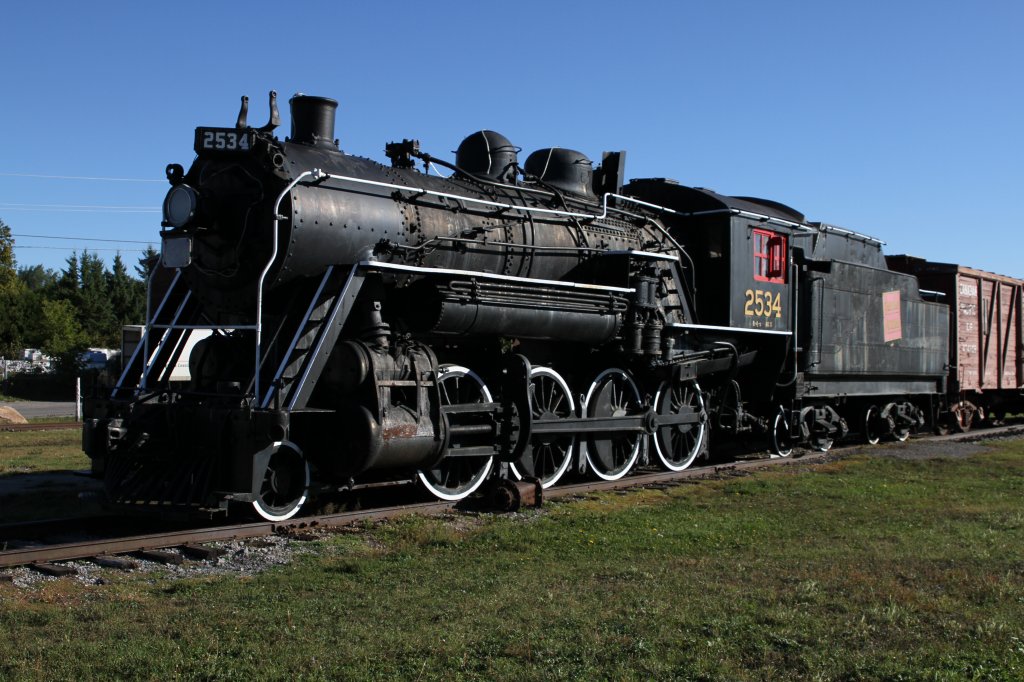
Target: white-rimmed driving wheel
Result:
[[613, 394], [454, 477], [285, 485], [678, 445], [548, 456]]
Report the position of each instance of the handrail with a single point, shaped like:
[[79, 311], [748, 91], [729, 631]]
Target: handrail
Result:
[[143, 345], [317, 174], [298, 335], [148, 366]]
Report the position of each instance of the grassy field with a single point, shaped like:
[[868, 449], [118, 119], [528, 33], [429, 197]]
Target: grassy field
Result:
[[865, 568], [35, 451], [37, 495]]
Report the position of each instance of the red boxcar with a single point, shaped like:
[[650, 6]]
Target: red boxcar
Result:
[[986, 376]]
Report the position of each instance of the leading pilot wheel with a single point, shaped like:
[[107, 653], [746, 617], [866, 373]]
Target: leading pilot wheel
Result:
[[548, 456], [678, 445], [781, 436], [285, 485], [613, 394], [454, 477]]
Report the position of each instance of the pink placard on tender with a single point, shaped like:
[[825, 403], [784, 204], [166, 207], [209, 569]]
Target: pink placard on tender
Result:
[[892, 325]]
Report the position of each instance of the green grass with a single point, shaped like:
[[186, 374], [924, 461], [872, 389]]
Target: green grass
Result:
[[866, 568], [37, 496], [36, 451]]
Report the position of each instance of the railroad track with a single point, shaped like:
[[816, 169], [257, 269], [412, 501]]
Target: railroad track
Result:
[[42, 426], [190, 541]]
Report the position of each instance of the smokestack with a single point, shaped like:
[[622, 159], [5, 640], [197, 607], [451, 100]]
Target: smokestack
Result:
[[313, 120]]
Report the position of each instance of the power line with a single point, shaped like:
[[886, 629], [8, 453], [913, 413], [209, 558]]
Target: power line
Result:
[[83, 239], [71, 208], [77, 177], [70, 248]]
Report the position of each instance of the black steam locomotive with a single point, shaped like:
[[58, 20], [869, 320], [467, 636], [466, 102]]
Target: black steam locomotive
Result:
[[347, 323]]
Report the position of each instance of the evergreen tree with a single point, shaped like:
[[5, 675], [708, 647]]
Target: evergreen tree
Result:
[[37, 278], [68, 287], [8, 265], [127, 295], [149, 259], [12, 322], [95, 311], [13, 318]]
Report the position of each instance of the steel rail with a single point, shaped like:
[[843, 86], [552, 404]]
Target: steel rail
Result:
[[41, 426], [90, 548], [93, 548], [137, 543]]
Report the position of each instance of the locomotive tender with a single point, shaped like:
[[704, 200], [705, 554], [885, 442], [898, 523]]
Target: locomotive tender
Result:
[[375, 323]]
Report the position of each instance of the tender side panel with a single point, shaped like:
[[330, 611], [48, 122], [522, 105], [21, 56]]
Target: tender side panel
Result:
[[869, 332]]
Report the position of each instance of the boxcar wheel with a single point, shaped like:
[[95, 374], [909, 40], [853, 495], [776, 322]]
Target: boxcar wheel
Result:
[[963, 417]]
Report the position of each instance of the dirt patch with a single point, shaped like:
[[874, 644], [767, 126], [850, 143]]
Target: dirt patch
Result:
[[932, 449], [957, 446]]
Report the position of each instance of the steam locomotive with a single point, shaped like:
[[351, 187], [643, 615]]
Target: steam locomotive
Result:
[[362, 324]]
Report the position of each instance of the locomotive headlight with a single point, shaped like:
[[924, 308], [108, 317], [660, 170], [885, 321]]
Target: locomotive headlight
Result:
[[180, 206]]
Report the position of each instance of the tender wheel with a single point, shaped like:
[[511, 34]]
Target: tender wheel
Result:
[[455, 478], [816, 439], [285, 485], [613, 394], [899, 432], [782, 437], [549, 456], [678, 445], [872, 428]]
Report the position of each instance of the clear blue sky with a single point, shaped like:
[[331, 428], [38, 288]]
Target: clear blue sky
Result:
[[898, 119]]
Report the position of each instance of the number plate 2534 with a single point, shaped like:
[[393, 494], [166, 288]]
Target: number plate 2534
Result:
[[762, 303], [227, 140]]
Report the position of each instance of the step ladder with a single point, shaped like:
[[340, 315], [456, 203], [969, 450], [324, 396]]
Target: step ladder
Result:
[[315, 334], [168, 327]]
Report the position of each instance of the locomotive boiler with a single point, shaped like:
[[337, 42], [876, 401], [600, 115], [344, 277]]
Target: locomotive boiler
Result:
[[367, 323]]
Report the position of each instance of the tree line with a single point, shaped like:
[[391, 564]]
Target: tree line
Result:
[[62, 312]]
